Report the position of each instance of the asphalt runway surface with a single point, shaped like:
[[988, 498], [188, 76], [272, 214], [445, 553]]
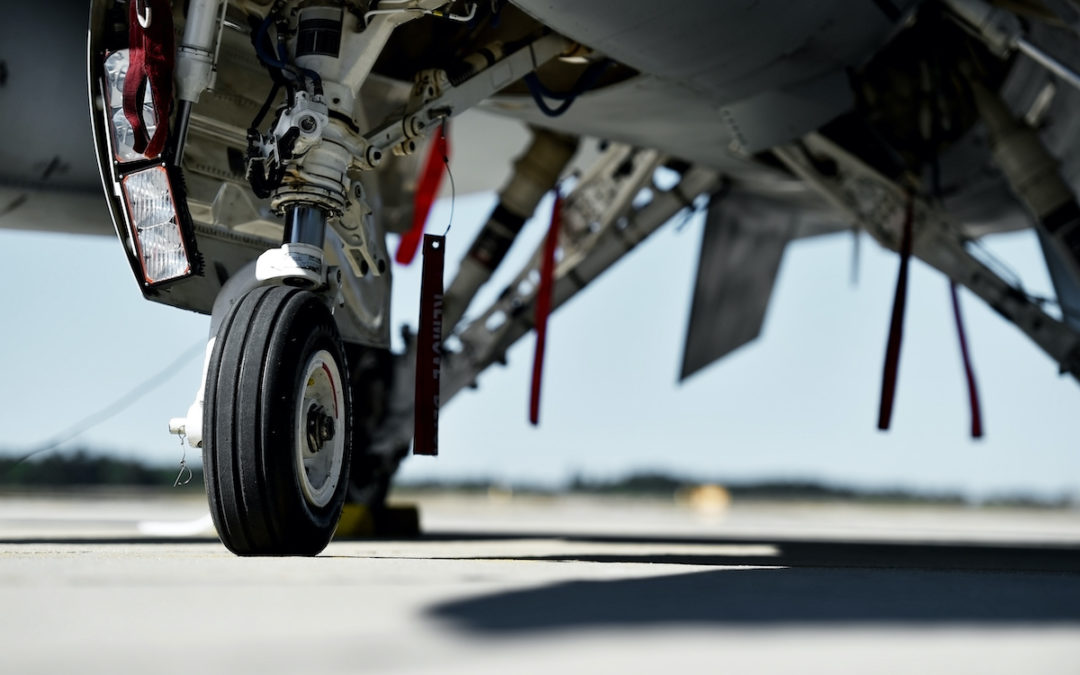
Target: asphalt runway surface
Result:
[[501, 584]]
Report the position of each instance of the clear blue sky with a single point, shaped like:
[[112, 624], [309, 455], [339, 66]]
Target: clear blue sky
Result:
[[799, 403]]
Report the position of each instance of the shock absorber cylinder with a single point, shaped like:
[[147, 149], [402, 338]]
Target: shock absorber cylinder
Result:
[[1035, 178], [305, 225], [194, 65], [299, 260], [535, 173]]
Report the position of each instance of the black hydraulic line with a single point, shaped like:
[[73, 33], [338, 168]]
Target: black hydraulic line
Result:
[[180, 133], [265, 109], [584, 83]]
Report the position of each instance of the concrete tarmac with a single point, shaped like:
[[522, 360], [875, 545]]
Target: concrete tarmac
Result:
[[503, 584]]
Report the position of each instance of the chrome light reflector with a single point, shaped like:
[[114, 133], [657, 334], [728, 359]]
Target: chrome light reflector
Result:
[[155, 225], [116, 68]]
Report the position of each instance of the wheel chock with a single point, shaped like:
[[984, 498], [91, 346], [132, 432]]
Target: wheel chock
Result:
[[359, 521]]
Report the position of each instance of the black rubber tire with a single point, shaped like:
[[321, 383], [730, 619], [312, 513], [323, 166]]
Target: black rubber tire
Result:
[[249, 424]]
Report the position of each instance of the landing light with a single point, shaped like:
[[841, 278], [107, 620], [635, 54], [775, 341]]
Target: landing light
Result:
[[155, 225], [123, 137], [151, 190]]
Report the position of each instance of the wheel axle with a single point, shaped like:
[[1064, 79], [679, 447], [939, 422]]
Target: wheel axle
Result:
[[320, 428]]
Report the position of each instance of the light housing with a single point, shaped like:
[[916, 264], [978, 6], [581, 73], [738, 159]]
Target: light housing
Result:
[[147, 196], [123, 137], [156, 224]]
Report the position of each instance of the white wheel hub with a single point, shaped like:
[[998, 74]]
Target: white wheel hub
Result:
[[320, 429]]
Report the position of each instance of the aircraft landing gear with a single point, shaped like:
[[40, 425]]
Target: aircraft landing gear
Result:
[[277, 424]]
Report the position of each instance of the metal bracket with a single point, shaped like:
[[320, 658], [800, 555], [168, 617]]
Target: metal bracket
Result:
[[875, 203], [621, 225], [618, 229], [357, 231], [449, 100]]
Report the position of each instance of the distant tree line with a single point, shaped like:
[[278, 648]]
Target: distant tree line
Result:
[[83, 468], [663, 485], [667, 486]]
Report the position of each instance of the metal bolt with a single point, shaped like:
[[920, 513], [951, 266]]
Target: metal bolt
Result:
[[374, 156], [320, 429], [414, 126]]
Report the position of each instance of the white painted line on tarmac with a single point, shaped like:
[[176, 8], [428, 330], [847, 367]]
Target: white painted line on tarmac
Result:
[[185, 528]]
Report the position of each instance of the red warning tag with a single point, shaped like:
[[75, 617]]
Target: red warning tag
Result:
[[429, 348]]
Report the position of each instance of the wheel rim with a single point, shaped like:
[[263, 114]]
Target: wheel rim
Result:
[[320, 429]]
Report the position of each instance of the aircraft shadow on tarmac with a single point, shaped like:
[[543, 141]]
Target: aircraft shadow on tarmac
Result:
[[813, 583], [805, 582]]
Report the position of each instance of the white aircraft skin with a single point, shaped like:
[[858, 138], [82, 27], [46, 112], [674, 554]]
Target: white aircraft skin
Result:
[[951, 119]]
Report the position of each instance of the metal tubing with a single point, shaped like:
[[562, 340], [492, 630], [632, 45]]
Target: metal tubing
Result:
[[535, 173], [195, 55], [1032, 171], [1050, 63], [179, 136], [1035, 177], [201, 20], [1002, 32], [305, 225], [484, 346], [942, 249]]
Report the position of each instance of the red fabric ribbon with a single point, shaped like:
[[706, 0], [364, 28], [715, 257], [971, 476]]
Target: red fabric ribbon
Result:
[[969, 371], [543, 306], [151, 58], [426, 190], [896, 327]]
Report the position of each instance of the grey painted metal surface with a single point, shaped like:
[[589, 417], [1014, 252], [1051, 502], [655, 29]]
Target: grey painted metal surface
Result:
[[741, 247], [48, 176], [43, 103], [726, 51], [752, 80]]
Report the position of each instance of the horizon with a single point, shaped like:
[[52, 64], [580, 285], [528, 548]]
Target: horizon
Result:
[[800, 401], [640, 483]]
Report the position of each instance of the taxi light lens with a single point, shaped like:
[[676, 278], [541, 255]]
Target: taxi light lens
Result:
[[116, 68], [155, 225]]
